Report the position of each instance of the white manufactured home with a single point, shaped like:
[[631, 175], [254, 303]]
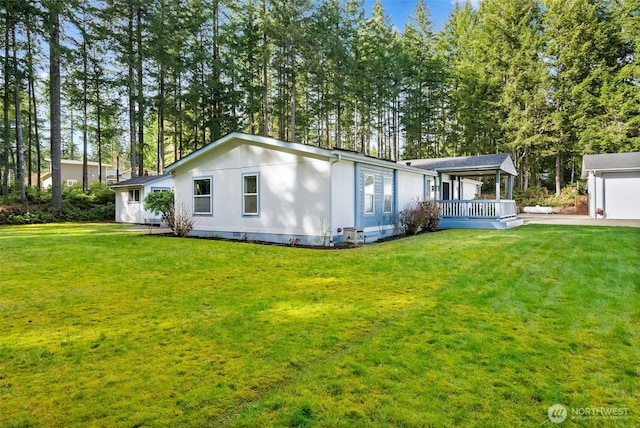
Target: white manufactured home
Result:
[[613, 184], [130, 196], [262, 189]]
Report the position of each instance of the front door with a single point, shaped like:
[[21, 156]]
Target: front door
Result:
[[446, 195]]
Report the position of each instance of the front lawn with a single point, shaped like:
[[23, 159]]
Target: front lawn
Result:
[[102, 327]]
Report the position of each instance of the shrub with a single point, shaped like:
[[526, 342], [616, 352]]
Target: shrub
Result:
[[183, 221], [161, 203], [420, 215], [96, 204], [430, 214], [409, 219], [101, 194]]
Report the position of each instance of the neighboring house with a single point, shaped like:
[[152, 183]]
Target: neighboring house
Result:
[[613, 184], [130, 196], [258, 188], [71, 172]]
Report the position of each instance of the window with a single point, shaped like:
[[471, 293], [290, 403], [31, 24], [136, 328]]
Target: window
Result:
[[71, 182], [160, 189], [369, 189], [202, 195], [388, 195], [134, 195], [250, 188]]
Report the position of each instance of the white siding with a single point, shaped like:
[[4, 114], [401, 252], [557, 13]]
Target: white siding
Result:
[[293, 195], [410, 188], [470, 188], [129, 212], [594, 186], [343, 201]]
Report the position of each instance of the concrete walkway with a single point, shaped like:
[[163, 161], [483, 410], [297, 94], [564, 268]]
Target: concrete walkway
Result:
[[575, 220], [153, 230]]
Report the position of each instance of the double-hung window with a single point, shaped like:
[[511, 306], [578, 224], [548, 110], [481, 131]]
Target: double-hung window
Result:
[[134, 195], [388, 195], [202, 195], [250, 194], [369, 192]]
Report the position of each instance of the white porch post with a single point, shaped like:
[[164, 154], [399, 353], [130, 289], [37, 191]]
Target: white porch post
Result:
[[498, 186]]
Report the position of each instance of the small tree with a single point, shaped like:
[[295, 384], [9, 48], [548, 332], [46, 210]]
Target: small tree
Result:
[[162, 203]]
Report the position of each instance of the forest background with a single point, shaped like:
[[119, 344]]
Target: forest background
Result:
[[142, 83]]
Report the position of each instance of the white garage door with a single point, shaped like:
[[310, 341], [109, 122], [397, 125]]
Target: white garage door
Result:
[[622, 195]]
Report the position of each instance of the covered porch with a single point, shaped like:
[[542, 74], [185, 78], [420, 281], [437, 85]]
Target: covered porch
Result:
[[457, 211]]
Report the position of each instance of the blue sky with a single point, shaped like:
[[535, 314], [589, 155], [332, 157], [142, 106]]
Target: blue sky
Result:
[[399, 10]]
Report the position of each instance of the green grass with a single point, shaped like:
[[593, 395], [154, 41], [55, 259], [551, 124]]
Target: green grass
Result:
[[101, 327]]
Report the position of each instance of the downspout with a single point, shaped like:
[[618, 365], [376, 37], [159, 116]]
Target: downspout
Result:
[[331, 225], [604, 197], [595, 194]]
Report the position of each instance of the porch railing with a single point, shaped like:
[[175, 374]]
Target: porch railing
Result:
[[480, 209]]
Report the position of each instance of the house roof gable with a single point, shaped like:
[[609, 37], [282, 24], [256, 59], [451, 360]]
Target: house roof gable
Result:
[[610, 162], [302, 149]]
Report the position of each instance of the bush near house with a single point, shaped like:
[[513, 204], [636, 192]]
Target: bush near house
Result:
[[420, 216], [96, 204], [570, 197]]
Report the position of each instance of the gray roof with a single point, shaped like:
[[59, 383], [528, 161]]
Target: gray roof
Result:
[[610, 162], [140, 181], [468, 165]]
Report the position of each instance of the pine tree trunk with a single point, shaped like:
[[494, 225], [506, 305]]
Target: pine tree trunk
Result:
[[130, 91], [558, 172], [85, 102], [36, 134], [265, 74], [140, 92], [99, 127], [54, 94], [18, 108], [6, 148]]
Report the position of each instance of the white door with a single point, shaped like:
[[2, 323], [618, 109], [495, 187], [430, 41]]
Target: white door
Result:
[[622, 195]]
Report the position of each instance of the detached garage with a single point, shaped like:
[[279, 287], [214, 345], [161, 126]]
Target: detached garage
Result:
[[613, 183]]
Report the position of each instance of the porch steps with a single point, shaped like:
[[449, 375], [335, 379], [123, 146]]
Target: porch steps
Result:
[[475, 223]]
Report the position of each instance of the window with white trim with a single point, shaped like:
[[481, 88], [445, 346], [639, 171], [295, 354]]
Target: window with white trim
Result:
[[134, 196], [387, 206], [369, 194], [250, 194], [202, 192]]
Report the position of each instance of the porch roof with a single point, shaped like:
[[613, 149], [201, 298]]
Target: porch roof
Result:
[[468, 165]]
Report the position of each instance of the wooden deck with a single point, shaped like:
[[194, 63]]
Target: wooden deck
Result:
[[478, 214]]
